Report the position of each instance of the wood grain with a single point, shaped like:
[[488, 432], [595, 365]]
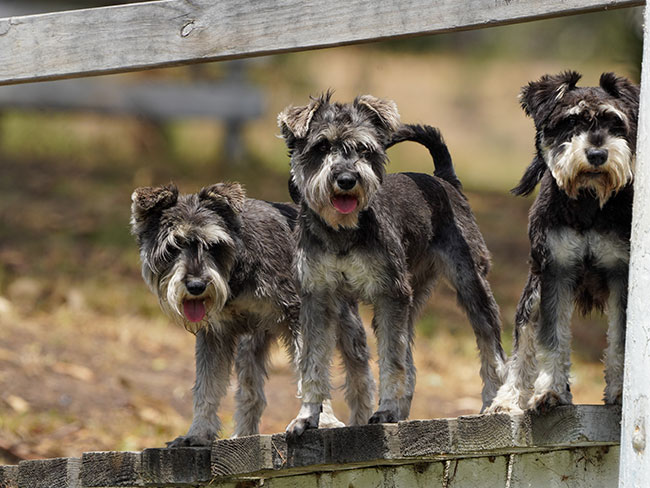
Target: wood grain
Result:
[[49, 473], [171, 32]]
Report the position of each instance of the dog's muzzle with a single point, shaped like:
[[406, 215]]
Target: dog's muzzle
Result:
[[194, 309]]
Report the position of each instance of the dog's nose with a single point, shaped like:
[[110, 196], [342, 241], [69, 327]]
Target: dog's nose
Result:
[[195, 287], [346, 181], [597, 157]]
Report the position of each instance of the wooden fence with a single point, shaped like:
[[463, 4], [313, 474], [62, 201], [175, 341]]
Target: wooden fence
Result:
[[574, 446], [172, 32]]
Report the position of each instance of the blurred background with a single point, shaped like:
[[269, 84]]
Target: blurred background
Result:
[[88, 361]]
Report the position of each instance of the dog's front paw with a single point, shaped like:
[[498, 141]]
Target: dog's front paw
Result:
[[191, 441], [307, 419], [384, 417], [503, 408], [543, 402]]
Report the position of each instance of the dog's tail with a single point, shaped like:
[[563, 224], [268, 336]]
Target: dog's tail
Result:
[[430, 138]]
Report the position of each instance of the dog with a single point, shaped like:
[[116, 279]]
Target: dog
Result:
[[221, 266], [579, 229], [382, 239]]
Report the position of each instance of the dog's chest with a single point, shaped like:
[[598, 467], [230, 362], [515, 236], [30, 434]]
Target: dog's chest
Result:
[[603, 250], [358, 273]]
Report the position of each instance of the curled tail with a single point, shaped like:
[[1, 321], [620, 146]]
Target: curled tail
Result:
[[430, 138]]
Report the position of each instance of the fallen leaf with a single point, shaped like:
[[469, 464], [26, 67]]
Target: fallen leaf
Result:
[[20, 405], [74, 370]]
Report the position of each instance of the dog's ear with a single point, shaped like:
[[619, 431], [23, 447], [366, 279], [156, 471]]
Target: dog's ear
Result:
[[294, 121], [148, 199], [294, 191], [532, 176], [620, 87], [539, 97], [230, 194], [385, 111]]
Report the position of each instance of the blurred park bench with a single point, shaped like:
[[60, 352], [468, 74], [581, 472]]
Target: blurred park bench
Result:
[[232, 100]]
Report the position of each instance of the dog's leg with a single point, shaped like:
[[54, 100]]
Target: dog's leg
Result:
[[554, 341], [214, 356], [475, 297], [359, 383], [250, 364], [319, 337], [614, 354], [391, 326], [513, 395]]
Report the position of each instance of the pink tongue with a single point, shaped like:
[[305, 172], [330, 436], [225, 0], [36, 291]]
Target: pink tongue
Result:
[[345, 203], [194, 310]]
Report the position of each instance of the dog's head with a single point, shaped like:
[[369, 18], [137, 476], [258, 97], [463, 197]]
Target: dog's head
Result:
[[586, 136], [338, 154], [187, 247]]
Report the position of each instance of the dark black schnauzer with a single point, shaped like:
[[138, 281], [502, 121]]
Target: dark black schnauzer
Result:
[[383, 239], [579, 231], [221, 266]]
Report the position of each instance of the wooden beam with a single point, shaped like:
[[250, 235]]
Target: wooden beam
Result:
[[172, 32], [635, 428]]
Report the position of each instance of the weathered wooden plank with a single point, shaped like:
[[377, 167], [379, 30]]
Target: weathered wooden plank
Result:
[[576, 425], [593, 467], [111, 468], [179, 465], [248, 454], [359, 444], [9, 476], [49, 473], [172, 32], [635, 452], [426, 437], [233, 100]]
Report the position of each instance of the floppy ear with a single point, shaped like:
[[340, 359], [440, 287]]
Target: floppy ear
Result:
[[294, 192], [294, 121], [539, 97], [531, 178], [620, 87], [148, 199], [230, 194], [384, 111]]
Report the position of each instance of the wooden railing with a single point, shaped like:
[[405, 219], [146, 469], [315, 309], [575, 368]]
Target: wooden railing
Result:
[[574, 446]]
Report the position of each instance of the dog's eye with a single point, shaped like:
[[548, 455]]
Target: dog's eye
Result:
[[322, 147]]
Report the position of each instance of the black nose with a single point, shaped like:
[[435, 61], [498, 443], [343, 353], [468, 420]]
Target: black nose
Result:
[[195, 287], [346, 181], [597, 157]]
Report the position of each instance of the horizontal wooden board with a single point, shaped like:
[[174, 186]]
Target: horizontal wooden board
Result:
[[172, 32]]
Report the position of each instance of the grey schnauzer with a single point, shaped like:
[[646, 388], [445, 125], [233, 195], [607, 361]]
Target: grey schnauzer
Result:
[[579, 230], [383, 239], [221, 266]]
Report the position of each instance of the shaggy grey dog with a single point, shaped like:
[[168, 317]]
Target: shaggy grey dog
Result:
[[383, 239], [221, 266], [579, 232]]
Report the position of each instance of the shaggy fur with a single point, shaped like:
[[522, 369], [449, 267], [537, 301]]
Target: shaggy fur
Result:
[[221, 266], [383, 239], [579, 232]]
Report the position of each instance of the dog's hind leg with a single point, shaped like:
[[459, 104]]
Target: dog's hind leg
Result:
[[513, 395], [475, 297], [251, 367], [214, 356], [359, 383], [614, 354]]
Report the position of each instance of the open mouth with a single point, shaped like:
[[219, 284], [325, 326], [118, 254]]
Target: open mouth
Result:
[[345, 204], [194, 309]]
